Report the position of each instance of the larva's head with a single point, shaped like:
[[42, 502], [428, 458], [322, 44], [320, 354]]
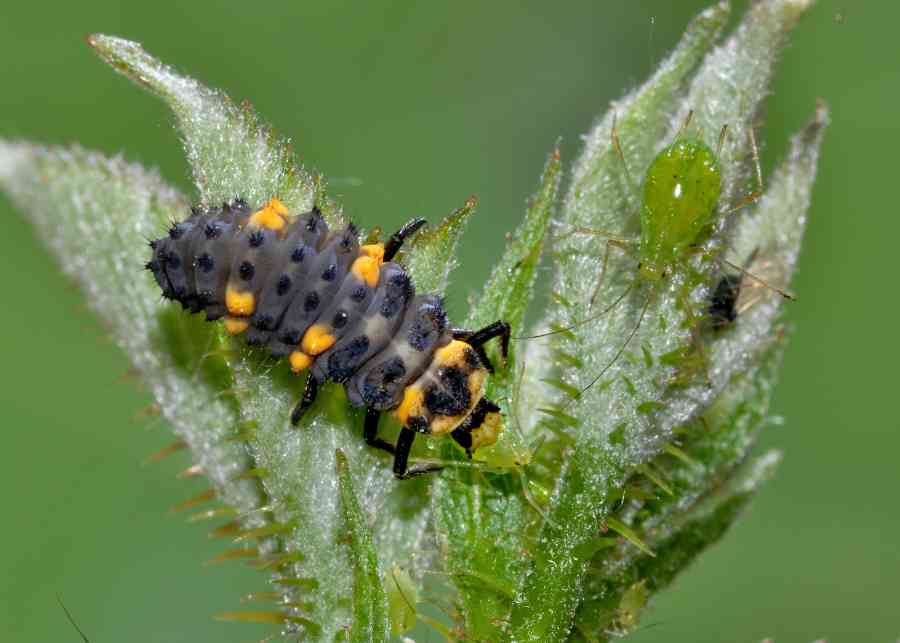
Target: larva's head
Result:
[[447, 398]]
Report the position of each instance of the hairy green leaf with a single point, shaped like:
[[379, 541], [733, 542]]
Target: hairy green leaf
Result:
[[370, 609], [95, 215], [629, 415], [231, 151], [483, 519]]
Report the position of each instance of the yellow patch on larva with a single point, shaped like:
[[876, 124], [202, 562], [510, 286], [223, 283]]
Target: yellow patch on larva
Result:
[[366, 269], [453, 354], [476, 382], [299, 361], [273, 215], [411, 405], [240, 304], [317, 340], [444, 424], [374, 250], [235, 325]]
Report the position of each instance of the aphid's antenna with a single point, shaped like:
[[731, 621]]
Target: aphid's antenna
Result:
[[758, 280], [585, 320], [71, 620], [617, 146], [684, 125], [622, 347], [722, 134]]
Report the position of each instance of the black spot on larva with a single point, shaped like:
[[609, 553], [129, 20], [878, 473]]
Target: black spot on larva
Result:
[[428, 325], [246, 271], [291, 337], [343, 362], [346, 242], [359, 294], [255, 239], [379, 386], [313, 221], [311, 302], [205, 262], [178, 230], [264, 322], [283, 285], [397, 291], [450, 394], [297, 254], [212, 230], [330, 273], [340, 319], [172, 260]]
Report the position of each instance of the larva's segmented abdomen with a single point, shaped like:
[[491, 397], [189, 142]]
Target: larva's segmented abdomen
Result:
[[304, 291], [340, 309]]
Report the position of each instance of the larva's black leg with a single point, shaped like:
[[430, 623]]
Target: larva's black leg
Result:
[[396, 241], [476, 339], [498, 329], [309, 396], [401, 456], [464, 335], [370, 432]]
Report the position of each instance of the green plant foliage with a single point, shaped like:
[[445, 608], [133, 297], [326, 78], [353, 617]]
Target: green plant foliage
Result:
[[595, 497]]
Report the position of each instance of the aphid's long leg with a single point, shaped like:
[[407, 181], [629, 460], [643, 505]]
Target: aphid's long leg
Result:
[[370, 432], [759, 280], [754, 196], [586, 319], [615, 243], [621, 348], [309, 396], [401, 456], [396, 241], [593, 232]]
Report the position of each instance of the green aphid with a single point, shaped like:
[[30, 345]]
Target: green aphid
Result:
[[680, 195], [679, 207]]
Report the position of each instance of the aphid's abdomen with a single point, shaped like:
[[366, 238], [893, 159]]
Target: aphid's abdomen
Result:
[[681, 191]]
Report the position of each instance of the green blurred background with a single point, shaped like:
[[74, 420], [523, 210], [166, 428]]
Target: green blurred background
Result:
[[409, 108]]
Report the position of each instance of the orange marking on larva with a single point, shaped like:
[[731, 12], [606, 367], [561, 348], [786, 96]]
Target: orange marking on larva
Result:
[[317, 340], [240, 304], [413, 399], [374, 250], [366, 269], [235, 325], [299, 361], [273, 215]]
